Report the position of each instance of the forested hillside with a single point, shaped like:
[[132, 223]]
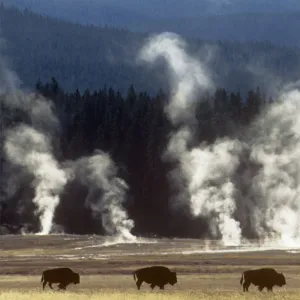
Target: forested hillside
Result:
[[94, 9], [277, 28], [90, 57], [134, 130], [275, 21]]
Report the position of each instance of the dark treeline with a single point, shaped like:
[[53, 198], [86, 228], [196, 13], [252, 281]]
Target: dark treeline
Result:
[[134, 130]]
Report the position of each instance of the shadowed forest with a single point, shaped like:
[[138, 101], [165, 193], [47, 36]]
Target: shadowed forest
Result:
[[106, 99], [134, 130]]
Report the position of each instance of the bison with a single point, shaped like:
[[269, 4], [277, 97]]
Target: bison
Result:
[[265, 277], [63, 276], [155, 275]]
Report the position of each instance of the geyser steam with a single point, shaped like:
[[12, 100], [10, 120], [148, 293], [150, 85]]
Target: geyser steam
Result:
[[29, 146], [31, 149], [275, 144], [204, 172], [187, 74], [106, 193]]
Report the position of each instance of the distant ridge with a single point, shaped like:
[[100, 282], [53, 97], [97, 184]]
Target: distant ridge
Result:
[[275, 21], [90, 57]]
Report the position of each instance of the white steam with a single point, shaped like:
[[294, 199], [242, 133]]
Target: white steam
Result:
[[106, 193], [275, 145], [205, 171], [29, 146], [31, 149], [38, 110], [211, 189], [187, 74]]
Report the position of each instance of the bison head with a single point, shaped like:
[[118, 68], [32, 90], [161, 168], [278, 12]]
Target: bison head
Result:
[[76, 278], [173, 278], [281, 280]]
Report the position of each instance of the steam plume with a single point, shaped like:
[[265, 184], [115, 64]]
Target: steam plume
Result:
[[106, 193], [187, 75], [31, 149], [275, 145], [29, 146], [205, 172]]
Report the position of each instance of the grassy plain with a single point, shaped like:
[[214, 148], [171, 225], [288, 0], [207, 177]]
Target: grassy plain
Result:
[[106, 271]]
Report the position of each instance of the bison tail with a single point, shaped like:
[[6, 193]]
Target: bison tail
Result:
[[241, 281], [134, 276], [42, 278]]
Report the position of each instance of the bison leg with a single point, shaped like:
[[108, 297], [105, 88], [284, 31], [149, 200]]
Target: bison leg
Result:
[[50, 284], [152, 286], [139, 283], [270, 289], [44, 284], [260, 288], [62, 286], [246, 286], [162, 287]]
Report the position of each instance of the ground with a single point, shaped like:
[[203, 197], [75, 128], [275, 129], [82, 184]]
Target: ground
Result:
[[106, 271]]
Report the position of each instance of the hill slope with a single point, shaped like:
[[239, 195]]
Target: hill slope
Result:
[[89, 57], [239, 20]]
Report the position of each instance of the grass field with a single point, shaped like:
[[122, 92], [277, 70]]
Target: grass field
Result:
[[106, 272], [117, 295]]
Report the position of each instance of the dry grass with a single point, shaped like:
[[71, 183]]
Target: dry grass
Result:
[[119, 295], [117, 287], [106, 272]]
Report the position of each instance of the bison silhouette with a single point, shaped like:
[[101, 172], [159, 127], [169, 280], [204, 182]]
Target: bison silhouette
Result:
[[63, 276], [155, 276], [265, 277]]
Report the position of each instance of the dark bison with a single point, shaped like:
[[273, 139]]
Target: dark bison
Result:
[[156, 276], [265, 277], [63, 276]]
